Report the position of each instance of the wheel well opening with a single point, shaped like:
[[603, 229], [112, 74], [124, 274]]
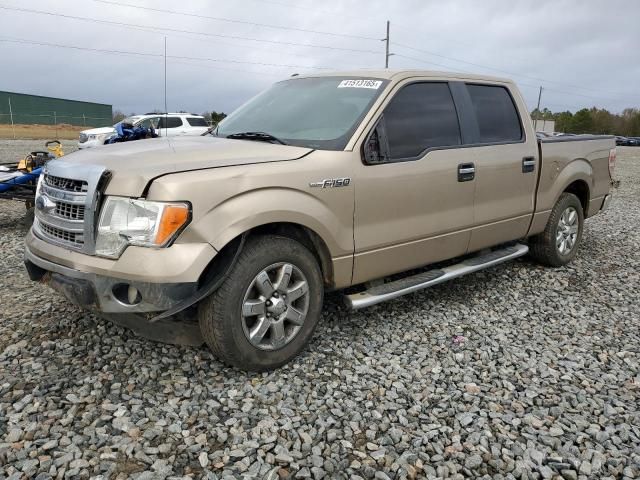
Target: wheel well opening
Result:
[[581, 190], [304, 235], [307, 237]]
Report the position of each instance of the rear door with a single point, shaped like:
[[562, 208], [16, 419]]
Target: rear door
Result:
[[197, 126], [505, 155], [170, 126], [414, 205]]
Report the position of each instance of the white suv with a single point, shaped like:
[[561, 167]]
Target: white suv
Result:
[[170, 125]]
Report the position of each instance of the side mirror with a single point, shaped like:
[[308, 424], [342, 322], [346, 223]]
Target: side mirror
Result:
[[375, 149]]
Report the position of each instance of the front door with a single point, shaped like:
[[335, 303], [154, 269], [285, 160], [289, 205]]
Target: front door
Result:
[[413, 206]]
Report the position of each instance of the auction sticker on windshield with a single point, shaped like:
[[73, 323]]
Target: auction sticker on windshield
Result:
[[374, 84]]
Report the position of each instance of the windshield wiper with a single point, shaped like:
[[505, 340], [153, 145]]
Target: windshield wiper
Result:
[[259, 136]]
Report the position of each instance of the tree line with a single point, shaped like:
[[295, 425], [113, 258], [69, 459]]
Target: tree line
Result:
[[594, 120]]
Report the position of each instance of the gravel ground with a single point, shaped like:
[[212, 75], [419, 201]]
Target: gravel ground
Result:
[[519, 371], [14, 150]]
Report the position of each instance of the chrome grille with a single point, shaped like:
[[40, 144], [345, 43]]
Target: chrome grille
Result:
[[67, 193], [83, 137], [60, 234], [66, 184], [69, 210]]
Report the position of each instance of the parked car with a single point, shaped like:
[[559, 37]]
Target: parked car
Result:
[[170, 125], [627, 141], [360, 181]]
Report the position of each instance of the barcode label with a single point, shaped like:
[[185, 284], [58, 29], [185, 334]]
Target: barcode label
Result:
[[374, 84]]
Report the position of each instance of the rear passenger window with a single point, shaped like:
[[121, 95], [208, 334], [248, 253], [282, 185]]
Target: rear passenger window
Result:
[[421, 116], [170, 122], [197, 122], [497, 116]]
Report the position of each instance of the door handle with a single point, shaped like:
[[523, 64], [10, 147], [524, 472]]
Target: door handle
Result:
[[466, 172], [528, 164]]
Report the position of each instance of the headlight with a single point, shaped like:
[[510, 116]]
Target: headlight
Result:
[[126, 221], [99, 136]]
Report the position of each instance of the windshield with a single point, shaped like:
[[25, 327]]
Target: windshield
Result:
[[129, 120], [318, 112]]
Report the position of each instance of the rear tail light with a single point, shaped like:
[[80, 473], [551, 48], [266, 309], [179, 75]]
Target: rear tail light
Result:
[[612, 161]]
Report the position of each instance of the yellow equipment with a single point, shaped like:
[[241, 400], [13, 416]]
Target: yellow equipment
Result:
[[37, 159]]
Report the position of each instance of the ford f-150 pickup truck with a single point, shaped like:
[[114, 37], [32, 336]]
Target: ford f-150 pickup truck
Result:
[[338, 181]]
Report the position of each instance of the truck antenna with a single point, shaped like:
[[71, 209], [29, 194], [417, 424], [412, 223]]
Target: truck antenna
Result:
[[538, 109], [165, 87]]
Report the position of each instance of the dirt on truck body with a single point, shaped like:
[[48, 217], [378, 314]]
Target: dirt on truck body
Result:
[[336, 181]]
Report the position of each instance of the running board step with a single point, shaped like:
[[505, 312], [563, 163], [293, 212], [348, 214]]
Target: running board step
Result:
[[388, 291]]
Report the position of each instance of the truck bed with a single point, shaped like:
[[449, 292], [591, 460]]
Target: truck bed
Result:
[[589, 157]]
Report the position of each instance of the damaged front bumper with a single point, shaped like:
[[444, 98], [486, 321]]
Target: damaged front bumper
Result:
[[124, 302], [106, 294]]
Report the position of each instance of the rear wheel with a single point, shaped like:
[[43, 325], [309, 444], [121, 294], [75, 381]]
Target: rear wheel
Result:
[[266, 310], [559, 242]]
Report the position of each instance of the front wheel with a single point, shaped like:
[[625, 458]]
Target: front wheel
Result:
[[266, 310], [559, 242]]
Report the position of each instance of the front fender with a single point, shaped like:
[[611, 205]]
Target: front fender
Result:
[[263, 206], [229, 201]]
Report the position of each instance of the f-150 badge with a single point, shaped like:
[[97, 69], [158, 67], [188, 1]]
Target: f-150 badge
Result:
[[332, 182]]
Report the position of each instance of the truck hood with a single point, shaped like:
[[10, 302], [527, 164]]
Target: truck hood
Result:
[[134, 164]]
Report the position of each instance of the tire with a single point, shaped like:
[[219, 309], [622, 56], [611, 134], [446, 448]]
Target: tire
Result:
[[234, 333], [547, 248], [29, 215]]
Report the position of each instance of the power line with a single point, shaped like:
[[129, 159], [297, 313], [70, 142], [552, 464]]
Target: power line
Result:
[[174, 12], [426, 62], [520, 84], [510, 73], [144, 56], [157, 55], [151, 28], [229, 20], [168, 29]]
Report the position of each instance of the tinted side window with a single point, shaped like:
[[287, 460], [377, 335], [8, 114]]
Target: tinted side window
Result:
[[421, 116], [197, 122], [170, 122], [497, 116]]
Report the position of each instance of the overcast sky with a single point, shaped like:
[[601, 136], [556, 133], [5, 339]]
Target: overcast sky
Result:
[[583, 53]]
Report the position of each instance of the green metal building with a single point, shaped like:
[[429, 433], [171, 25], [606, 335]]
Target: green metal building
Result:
[[23, 109]]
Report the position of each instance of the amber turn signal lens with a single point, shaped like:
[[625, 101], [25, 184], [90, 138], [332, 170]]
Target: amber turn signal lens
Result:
[[173, 219]]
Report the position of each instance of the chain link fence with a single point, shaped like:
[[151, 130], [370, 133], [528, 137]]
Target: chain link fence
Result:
[[16, 125], [54, 118], [22, 112]]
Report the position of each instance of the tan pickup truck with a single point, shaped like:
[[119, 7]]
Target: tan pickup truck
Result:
[[332, 181]]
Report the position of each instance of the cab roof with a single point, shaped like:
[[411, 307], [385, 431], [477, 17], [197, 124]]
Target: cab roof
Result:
[[393, 74]]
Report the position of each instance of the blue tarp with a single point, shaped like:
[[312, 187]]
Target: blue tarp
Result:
[[21, 180]]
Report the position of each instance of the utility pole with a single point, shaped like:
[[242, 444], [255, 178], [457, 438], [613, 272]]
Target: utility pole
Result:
[[13, 127], [538, 107], [386, 52]]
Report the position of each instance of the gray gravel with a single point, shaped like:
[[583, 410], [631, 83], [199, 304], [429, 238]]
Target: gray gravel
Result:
[[515, 372], [14, 150]]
